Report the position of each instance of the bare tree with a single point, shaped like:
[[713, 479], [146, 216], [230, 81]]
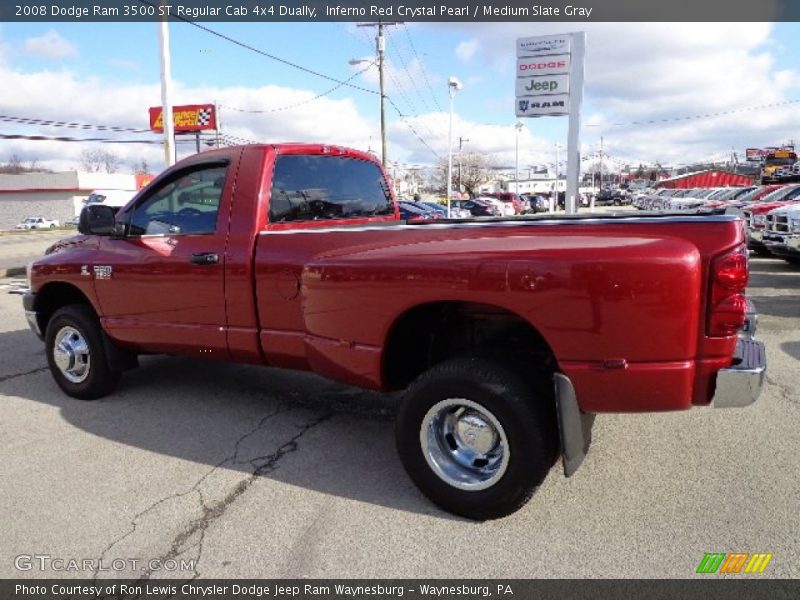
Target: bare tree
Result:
[[98, 160], [470, 171], [142, 167], [13, 165]]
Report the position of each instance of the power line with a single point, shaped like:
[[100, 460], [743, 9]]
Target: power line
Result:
[[421, 67], [396, 49], [45, 138], [705, 116], [266, 54], [403, 118], [69, 125], [290, 106], [301, 68]]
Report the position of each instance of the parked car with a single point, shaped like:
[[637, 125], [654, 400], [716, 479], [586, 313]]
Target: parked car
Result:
[[477, 208], [755, 215], [610, 197], [504, 208], [782, 232], [438, 208], [537, 203], [37, 223], [508, 198], [411, 211], [506, 337]]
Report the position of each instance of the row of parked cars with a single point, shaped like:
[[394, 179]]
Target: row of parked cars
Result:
[[771, 213], [502, 204]]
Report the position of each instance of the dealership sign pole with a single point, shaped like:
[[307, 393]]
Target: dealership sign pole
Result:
[[549, 83]]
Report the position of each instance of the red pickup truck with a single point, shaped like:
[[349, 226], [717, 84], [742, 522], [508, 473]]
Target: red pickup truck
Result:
[[507, 335]]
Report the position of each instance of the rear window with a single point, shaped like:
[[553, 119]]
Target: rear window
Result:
[[311, 188]]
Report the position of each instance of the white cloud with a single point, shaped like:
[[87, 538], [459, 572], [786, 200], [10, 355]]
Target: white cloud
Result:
[[466, 50], [635, 73], [51, 45], [125, 64], [638, 72], [92, 100]]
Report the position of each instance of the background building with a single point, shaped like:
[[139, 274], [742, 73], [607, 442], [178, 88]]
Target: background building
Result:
[[57, 196]]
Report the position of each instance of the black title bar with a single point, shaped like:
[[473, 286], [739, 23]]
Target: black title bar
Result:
[[580, 11], [700, 587]]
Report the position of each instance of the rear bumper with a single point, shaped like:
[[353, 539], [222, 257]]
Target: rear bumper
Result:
[[783, 245], [740, 384]]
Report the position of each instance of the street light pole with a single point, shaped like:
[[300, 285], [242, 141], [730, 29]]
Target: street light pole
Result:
[[518, 126], [453, 85], [554, 204]]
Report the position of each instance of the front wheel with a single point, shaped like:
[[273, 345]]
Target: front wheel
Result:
[[76, 354], [477, 438]]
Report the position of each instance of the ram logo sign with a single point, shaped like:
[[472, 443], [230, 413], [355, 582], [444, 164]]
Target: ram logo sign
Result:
[[735, 562]]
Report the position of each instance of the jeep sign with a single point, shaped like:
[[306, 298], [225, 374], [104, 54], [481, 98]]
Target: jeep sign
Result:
[[534, 86]]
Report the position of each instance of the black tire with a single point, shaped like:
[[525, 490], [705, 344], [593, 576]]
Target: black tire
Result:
[[98, 379], [525, 412], [792, 260], [762, 251]]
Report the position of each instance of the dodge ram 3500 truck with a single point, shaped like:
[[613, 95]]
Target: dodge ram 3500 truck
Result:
[[507, 335]]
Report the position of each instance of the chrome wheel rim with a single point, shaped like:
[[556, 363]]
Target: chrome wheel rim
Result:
[[464, 444], [71, 354]]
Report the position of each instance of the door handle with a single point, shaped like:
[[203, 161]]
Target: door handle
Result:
[[204, 258]]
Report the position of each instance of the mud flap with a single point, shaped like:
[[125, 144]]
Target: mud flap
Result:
[[574, 426]]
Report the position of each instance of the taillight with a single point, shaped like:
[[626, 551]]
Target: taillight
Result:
[[727, 304]]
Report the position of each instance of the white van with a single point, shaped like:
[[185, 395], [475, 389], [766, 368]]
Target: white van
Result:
[[109, 197], [116, 198]]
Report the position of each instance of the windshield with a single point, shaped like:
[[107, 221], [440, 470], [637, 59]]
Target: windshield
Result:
[[777, 162]]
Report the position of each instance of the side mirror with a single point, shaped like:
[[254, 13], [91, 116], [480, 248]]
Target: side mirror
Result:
[[97, 219]]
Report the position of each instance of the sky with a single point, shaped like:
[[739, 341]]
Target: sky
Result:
[[636, 73]]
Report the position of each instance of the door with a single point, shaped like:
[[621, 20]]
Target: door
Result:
[[161, 285]]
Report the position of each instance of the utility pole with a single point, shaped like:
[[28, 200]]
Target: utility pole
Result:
[[380, 45]]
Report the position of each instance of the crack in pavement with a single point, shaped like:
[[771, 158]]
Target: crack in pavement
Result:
[[5, 378], [784, 390], [261, 465]]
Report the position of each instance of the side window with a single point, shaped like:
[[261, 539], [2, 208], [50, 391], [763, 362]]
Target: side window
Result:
[[185, 206], [310, 188]]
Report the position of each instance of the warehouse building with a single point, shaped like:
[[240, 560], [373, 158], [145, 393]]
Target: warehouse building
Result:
[[57, 196]]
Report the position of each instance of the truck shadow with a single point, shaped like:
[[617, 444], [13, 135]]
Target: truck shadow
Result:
[[305, 430], [792, 349], [766, 274]]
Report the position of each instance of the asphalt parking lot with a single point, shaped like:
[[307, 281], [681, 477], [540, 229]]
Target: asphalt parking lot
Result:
[[255, 472], [19, 248]]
